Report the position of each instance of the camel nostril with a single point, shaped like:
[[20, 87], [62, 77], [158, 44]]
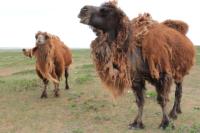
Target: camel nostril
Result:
[[84, 12]]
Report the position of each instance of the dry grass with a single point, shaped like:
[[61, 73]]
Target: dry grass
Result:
[[86, 107]]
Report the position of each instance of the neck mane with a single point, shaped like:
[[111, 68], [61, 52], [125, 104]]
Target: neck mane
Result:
[[111, 58], [43, 52]]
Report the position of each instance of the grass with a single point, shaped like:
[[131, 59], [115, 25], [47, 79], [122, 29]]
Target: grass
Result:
[[87, 107]]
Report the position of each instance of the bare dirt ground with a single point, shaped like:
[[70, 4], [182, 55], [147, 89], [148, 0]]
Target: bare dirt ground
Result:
[[5, 72]]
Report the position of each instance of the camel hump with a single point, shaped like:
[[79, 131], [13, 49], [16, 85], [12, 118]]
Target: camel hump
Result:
[[178, 25]]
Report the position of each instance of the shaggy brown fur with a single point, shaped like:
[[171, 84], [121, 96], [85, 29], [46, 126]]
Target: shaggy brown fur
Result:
[[180, 58], [111, 61], [52, 60], [126, 53]]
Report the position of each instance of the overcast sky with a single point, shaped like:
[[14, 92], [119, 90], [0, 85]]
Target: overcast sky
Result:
[[21, 19]]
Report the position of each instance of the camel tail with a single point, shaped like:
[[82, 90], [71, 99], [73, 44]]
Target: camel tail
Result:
[[51, 78]]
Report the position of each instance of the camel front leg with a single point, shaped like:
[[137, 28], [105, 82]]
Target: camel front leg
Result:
[[138, 89], [45, 82], [56, 90], [44, 93]]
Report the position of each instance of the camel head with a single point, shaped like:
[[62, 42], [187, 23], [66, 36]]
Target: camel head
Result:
[[41, 38], [105, 17]]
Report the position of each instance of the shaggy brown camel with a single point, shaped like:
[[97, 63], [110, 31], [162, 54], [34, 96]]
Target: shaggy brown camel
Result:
[[53, 58], [127, 53]]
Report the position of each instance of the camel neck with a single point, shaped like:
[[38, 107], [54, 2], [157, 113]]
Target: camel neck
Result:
[[43, 52]]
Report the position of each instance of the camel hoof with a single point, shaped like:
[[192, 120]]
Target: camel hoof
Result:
[[173, 115], [136, 125], [178, 110], [67, 88], [166, 124], [57, 94], [44, 95]]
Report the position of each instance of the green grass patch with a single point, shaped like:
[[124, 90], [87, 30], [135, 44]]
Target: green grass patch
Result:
[[85, 73], [25, 72], [151, 94], [83, 78], [19, 84], [79, 130], [14, 59], [194, 128], [102, 118], [198, 55]]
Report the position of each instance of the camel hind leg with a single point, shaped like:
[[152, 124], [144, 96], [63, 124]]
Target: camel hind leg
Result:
[[66, 79], [177, 101], [163, 87]]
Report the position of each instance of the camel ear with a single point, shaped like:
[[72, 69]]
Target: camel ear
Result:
[[46, 37], [36, 35]]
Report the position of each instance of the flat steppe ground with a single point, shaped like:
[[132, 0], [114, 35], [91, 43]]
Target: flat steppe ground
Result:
[[87, 107]]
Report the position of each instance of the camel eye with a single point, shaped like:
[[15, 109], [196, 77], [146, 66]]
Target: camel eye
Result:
[[104, 10], [46, 37], [85, 9]]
